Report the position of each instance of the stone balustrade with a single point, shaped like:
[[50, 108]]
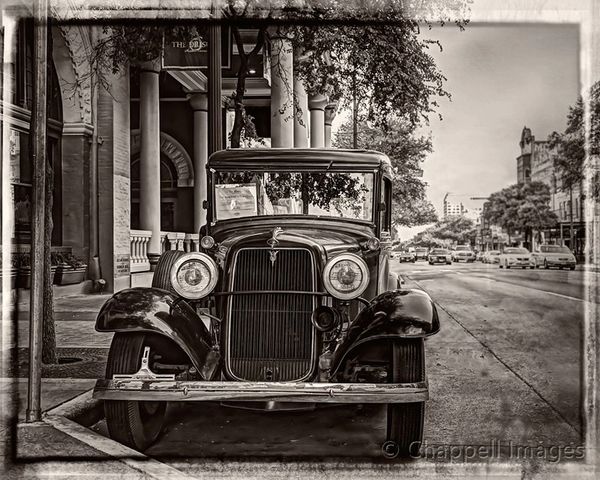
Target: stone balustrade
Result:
[[139, 240]]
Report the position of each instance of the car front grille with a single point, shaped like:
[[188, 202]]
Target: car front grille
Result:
[[270, 335]]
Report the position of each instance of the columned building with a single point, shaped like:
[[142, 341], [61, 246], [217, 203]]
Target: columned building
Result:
[[130, 161]]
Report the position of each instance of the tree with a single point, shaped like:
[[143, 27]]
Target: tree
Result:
[[571, 145], [449, 231], [524, 207], [407, 152], [372, 50]]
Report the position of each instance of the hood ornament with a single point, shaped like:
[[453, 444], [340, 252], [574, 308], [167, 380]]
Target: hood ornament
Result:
[[273, 242]]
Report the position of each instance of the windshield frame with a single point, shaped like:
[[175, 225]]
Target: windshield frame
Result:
[[212, 220]]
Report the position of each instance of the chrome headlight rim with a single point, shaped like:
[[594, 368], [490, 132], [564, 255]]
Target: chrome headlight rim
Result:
[[211, 267], [354, 293]]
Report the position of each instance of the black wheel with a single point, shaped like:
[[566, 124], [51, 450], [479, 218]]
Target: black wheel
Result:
[[572, 268], [162, 273], [132, 423], [546, 265], [405, 420]]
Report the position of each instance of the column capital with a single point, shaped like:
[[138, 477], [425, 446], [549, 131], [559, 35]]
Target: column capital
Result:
[[152, 66], [330, 113], [198, 101], [317, 102]]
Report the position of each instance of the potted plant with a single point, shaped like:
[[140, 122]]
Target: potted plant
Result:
[[22, 263], [70, 269]]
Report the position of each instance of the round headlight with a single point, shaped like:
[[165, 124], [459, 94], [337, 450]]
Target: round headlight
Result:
[[194, 275], [346, 276]]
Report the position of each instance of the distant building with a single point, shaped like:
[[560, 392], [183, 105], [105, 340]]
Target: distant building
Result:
[[537, 164], [452, 209]]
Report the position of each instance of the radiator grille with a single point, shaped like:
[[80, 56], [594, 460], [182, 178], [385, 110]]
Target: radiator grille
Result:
[[270, 334]]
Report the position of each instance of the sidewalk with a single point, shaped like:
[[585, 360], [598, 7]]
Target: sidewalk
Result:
[[57, 445]]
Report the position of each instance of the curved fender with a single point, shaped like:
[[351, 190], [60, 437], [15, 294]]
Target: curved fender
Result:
[[158, 311], [393, 314]]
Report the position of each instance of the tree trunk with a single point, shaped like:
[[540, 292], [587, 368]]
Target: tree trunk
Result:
[[238, 100], [48, 332]]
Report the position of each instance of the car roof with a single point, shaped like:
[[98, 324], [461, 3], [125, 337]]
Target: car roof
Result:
[[295, 159]]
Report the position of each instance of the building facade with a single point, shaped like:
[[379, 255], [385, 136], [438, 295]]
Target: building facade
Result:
[[536, 163], [129, 154]]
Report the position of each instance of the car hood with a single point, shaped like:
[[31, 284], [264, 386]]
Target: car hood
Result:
[[557, 255], [325, 238]]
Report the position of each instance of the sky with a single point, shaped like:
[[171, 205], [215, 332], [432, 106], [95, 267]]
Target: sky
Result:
[[501, 77]]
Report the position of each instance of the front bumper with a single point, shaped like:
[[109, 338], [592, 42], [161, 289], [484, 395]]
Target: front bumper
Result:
[[194, 391]]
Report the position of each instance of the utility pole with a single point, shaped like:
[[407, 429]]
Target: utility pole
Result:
[[38, 135], [571, 238], [354, 114]]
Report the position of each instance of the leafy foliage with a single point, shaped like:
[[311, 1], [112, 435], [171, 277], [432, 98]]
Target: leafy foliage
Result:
[[523, 207], [571, 144], [406, 152], [447, 232], [369, 49]]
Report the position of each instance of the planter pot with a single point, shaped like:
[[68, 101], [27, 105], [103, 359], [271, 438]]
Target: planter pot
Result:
[[24, 276], [66, 275]]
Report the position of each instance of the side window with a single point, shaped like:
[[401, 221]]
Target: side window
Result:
[[386, 212]]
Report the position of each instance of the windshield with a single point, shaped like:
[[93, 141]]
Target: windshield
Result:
[[439, 251], [463, 248], [421, 249], [516, 250], [331, 194], [554, 249]]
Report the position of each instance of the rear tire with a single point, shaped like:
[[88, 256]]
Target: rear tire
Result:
[[405, 420], [132, 423]]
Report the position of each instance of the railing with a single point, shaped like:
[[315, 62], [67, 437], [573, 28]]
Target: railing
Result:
[[139, 239]]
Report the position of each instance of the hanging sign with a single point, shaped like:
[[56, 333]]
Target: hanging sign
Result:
[[190, 52]]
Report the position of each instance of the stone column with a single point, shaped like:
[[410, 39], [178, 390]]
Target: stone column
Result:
[[150, 155], [114, 158], [317, 104], [282, 85], [330, 112], [199, 103], [75, 170]]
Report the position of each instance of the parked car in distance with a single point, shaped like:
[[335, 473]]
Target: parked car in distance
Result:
[[491, 256], [463, 253], [288, 303], [439, 255], [516, 257], [421, 253], [406, 256], [554, 256]]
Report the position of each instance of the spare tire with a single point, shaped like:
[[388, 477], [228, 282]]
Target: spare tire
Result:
[[162, 273]]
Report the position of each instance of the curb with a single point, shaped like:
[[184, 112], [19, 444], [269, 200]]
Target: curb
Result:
[[82, 409]]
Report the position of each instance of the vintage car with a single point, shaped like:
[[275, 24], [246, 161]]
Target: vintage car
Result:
[[439, 255], [463, 253], [515, 257], [554, 256], [289, 302], [406, 256]]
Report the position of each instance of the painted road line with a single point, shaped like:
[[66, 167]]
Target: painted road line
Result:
[[148, 466], [560, 295]]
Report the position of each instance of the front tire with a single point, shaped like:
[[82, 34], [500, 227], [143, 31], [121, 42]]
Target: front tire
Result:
[[405, 420], [132, 423]]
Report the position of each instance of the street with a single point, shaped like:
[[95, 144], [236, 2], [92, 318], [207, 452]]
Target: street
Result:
[[505, 368]]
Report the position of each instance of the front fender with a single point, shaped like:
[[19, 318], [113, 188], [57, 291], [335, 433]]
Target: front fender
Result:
[[158, 311], [393, 315]]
